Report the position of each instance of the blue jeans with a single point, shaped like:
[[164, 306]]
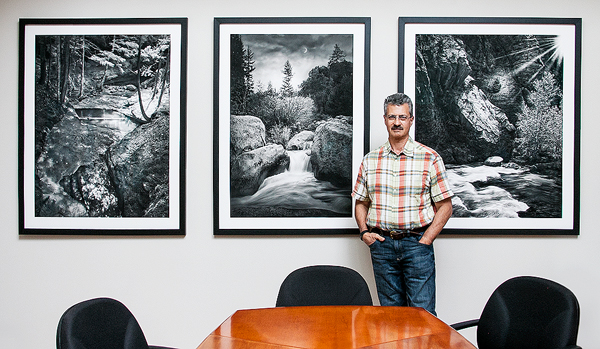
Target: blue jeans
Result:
[[404, 273]]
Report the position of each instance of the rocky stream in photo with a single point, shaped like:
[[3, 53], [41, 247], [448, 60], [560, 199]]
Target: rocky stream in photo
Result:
[[96, 162], [309, 178]]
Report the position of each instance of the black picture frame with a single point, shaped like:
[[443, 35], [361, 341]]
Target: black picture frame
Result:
[[233, 218], [90, 163], [516, 67]]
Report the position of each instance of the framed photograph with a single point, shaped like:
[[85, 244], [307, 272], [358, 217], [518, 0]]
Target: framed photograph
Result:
[[102, 126], [291, 123], [499, 100]]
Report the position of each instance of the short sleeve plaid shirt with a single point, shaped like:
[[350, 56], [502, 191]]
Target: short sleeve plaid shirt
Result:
[[402, 188]]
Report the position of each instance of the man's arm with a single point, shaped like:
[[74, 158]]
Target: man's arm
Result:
[[361, 210], [443, 213]]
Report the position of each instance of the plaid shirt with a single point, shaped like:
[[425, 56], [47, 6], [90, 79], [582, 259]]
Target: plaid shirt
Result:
[[402, 188]]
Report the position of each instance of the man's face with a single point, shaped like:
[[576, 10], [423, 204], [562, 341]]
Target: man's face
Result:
[[396, 127]]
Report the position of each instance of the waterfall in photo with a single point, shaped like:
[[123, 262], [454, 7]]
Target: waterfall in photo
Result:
[[298, 189], [106, 118], [299, 161]]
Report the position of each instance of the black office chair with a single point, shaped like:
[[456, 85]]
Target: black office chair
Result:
[[527, 312], [323, 285], [100, 323]]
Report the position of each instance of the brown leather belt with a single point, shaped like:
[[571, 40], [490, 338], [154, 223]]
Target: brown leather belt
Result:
[[400, 233]]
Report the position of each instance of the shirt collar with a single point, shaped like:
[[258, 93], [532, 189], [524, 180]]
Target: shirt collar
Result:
[[408, 150]]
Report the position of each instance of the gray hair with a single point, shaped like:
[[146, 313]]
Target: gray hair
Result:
[[398, 99]]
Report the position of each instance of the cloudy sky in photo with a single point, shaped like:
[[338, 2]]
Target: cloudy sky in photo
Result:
[[304, 51]]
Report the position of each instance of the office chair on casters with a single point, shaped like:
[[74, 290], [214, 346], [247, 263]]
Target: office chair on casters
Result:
[[323, 285], [100, 323], [527, 312]]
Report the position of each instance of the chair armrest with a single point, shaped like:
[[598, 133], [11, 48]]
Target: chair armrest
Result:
[[465, 324]]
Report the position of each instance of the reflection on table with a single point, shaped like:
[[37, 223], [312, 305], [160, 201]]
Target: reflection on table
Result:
[[326, 327]]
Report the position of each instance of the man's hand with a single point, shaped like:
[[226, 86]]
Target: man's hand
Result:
[[425, 240], [370, 238]]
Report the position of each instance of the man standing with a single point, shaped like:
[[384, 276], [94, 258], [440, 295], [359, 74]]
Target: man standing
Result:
[[403, 200]]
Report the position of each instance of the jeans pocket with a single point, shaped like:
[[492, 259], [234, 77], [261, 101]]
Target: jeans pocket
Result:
[[420, 243], [373, 245]]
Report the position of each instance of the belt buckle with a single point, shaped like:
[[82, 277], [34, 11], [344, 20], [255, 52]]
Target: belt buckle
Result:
[[396, 234]]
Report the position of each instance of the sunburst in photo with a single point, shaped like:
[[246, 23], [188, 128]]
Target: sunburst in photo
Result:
[[552, 54]]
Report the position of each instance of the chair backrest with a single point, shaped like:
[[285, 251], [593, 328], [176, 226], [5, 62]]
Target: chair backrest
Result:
[[101, 323], [529, 312], [323, 285]]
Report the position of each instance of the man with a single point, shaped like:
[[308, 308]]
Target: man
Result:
[[403, 200]]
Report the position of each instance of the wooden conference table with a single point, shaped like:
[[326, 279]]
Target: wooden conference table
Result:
[[342, 327]]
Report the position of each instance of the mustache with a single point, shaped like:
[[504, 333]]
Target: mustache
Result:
[[397, 127]]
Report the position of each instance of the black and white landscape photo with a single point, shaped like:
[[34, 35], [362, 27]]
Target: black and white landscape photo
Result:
[[291, 105], [102, 128], [499, 108]]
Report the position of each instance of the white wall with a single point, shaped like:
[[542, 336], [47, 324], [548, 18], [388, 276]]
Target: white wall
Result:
[[180, 289]]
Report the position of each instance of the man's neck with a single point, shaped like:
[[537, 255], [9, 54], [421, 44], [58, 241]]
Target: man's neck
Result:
[[397, 145]]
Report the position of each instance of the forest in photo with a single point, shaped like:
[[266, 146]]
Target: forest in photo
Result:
[[492, 106], [291, 143], [102, 107]]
